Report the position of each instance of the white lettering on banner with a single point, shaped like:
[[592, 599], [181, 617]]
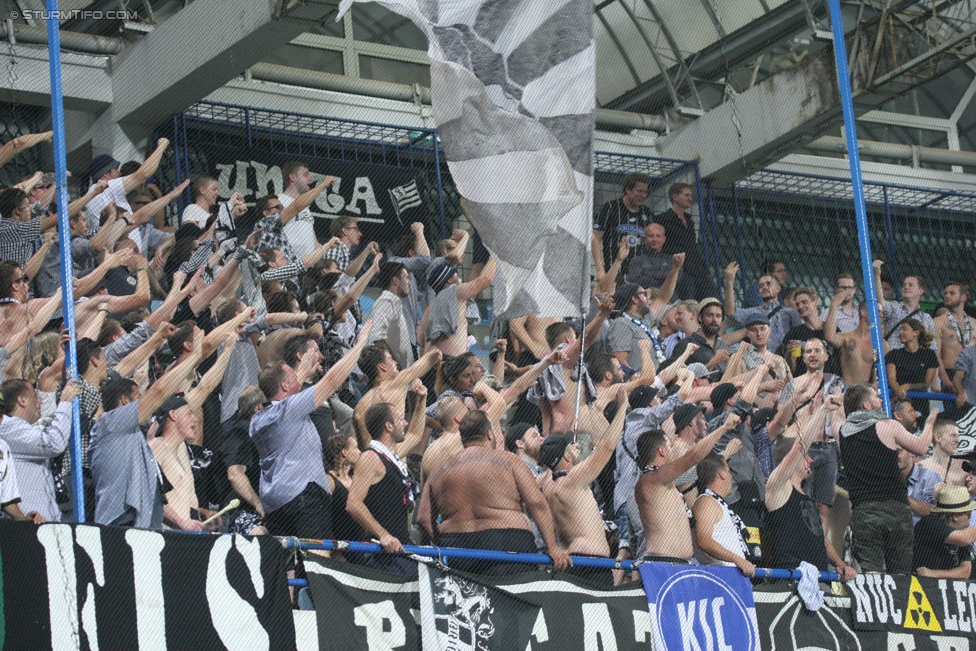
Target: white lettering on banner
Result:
[[642, 626], [539, 630], [889, 585], [147, 570], [268, 180], [234, 619], [240, 180], [961, 589], [363, 191], [597, 628], [265, 176], [907, 642], [874, 596], [864, 613], [946, 643], [331, 201], [686, 622], [372, 617], [90, 539], [949, 622], [62, 589]]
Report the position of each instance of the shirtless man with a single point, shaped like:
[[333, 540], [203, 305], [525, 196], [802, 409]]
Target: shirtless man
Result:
[[946, 438], [179, 424], [855, 347], [954, 329], [452, 294], [475, 498], [387, 383], [449, 443], [575, 514], [662, 509], [559, 408]]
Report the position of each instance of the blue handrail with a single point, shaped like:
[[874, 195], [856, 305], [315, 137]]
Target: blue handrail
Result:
[[446, 553]]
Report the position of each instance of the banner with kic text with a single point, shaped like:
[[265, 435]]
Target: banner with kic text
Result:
[[699, 607], [90, 588]]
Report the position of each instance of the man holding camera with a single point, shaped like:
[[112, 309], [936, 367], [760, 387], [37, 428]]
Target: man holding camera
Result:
[[626, 216]]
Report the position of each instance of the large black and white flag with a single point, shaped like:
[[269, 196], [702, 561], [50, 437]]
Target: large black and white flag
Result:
[[461, 614], [513, 93]]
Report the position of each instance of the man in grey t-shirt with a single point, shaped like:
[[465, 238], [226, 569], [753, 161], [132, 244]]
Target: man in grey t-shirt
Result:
[[294, 489]]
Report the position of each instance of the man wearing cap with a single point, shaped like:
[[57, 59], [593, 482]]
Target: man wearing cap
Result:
[[943, 540], [779, 318], [663, 512], [712, 351], [575, 514], [294, 486], [128, 482], [881, 518], [629, 329], [474, 500], [794, 530], [525, 441], [104, 167], [445, 323]]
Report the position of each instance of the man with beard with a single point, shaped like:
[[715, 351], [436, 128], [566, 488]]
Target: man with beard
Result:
[[954, 329], [629, 329], [712, 351], [779, 317]]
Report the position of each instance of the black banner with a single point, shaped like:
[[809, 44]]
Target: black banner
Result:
[[359, 608], [784, 624], [384, 200], [86, 587]]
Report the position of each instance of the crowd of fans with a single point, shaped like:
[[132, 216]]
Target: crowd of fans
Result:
[[217, 363]]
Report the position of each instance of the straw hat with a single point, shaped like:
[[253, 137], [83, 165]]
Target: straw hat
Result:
[[953, 499]]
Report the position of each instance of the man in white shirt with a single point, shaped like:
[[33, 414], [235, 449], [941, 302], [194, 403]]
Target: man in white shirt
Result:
[[389, 323], [105, 167], [300, 231]]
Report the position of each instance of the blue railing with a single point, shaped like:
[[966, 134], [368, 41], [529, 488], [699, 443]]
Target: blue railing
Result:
[[444, 554]]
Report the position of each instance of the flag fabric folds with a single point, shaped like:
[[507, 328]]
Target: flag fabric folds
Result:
[[513, 91]]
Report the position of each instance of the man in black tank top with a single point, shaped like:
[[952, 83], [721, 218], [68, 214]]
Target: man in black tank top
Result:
[[380, 498], [881, 518], [794, 530]]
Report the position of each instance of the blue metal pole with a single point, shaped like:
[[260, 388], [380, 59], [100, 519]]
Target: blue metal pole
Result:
[[64, 236], [860, 210]]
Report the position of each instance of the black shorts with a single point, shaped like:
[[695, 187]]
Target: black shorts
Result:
[[309, 515], [505, 540]]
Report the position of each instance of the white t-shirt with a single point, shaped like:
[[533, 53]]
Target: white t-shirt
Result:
[[300, 231], [194, 214], [115, 192]]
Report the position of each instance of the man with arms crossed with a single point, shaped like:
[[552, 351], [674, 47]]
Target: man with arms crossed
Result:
[[662, 508], [474, 500]]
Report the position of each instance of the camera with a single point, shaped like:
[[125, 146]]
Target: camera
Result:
[[632, 240], [968, 466]]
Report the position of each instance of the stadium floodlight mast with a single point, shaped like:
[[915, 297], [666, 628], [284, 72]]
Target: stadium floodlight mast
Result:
[[64, 236], [860, 210]]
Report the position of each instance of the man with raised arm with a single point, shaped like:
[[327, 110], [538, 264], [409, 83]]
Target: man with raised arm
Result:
[[474, 500], [445, 323], [128, 484], [854, 347], [104, 167], [794, 532], [881, 518], [300, 231], [575, 514], [894, 313], [663, 512], [294, 486]]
